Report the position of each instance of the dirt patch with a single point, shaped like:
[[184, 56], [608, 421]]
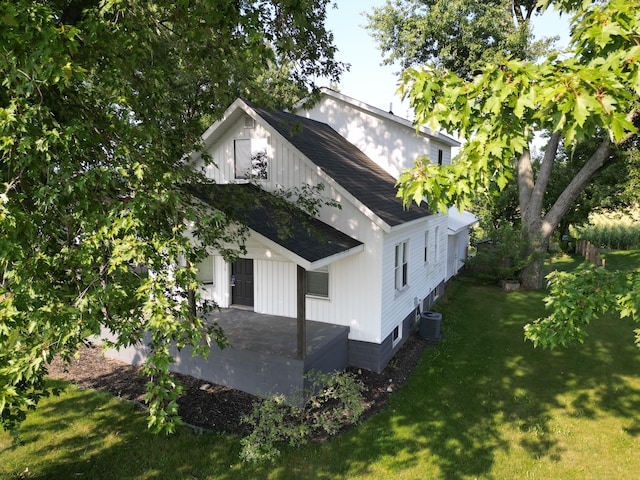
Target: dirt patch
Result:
[[217, 407]]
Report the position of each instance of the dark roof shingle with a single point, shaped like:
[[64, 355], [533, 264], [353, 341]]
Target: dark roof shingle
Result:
[[346, 164], [286, 225]]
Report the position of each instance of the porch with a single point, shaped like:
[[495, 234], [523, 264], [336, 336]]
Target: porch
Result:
[[263, 357]]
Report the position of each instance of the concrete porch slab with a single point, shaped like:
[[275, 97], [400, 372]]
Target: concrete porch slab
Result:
[[262, 359]]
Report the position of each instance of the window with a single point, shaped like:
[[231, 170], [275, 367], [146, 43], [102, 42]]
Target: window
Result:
[[250, 158], [318, 282], [440, 155], [396, 336], [426, 246], [206, 271], [436, 245], [401, 267]]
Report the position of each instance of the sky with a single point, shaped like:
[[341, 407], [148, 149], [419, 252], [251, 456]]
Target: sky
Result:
[[376, 84]]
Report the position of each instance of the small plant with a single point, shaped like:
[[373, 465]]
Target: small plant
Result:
[[338, 402]]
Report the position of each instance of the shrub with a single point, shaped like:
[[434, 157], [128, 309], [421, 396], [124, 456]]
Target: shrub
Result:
[[337, 403], [502, 256]]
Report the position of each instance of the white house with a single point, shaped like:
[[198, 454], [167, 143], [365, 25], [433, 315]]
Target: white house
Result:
[[396, 266], [357, 288], [394, 143]]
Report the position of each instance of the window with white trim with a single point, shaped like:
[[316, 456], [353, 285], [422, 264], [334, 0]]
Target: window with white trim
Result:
[[396, 336], [401, 271], [206, 271], [250, 157], [436, 245], [318, 282], [440, 156]]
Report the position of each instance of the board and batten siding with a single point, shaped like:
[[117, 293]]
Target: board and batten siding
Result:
[[423, 277], [352, 301], [275, 288], [354, 282], [392, 145], [222, 152], [354, 293]]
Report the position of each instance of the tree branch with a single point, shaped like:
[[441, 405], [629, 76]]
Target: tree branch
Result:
[[525, 182], [517, 11], [597, 161], [544, 175]]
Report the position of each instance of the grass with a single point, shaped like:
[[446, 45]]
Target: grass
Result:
[[482, 404]]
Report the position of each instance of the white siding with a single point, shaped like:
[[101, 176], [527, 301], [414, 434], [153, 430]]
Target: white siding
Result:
[[354, 296], [222, 152], [275, 288], [355, 282], [457, 252], [391, 145], [361, 287], [423, 277]]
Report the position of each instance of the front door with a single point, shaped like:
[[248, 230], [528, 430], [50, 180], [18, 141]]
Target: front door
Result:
[[242, 286]]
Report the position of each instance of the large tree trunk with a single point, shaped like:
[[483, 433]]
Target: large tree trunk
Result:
[[532, 276], [538, 227]]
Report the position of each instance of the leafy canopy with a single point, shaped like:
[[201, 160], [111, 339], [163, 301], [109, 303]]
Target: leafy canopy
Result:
[[100, 105], [577, 299], [459, 35], [499, 110]]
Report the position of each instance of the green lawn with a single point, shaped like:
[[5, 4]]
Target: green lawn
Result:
[[482, 404]]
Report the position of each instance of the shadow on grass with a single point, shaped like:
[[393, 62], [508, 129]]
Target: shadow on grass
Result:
[[470, 394], [87, 434], [472, 400]]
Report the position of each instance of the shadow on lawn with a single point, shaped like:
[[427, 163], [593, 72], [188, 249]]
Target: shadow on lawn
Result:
[[485, 381], [110, 440], [481, 392]]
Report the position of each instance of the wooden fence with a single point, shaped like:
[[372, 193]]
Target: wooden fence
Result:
[[590, 253]]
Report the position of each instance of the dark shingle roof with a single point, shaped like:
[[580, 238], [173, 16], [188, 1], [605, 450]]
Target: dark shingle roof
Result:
[[346, 164], [272, 217]]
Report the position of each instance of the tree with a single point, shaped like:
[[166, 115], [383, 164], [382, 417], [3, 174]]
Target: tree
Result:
[[573, 98], [576, 299], [612, 188], [459, 35], [102, 102]]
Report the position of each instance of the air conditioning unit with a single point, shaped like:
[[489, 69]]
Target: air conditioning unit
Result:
[[430, 323]]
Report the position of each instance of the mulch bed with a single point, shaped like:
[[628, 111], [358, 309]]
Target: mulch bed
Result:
[[216, 407]]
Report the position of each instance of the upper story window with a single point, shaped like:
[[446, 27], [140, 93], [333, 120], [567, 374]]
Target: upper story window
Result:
[[250, 157], [318, 282], [436, 245], [401, 270]]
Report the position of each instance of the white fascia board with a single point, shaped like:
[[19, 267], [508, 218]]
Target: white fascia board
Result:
[[297, 259], [391, 117], [402, 226], [231, 114]]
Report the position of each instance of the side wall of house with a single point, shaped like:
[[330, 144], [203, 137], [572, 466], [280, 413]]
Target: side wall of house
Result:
[[405, 296], [354, 282], [390, 144], [457, 251], [423, 277]]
